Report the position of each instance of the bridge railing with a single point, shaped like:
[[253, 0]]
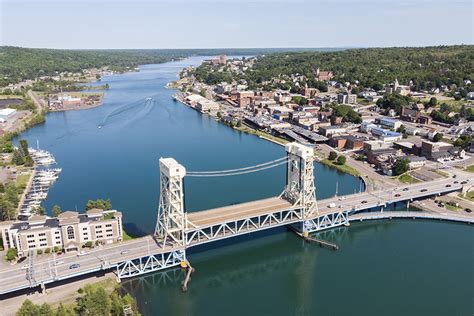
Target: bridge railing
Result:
[[235, 227]]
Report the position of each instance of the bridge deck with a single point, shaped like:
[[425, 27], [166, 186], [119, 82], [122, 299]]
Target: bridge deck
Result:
[[236, 212]]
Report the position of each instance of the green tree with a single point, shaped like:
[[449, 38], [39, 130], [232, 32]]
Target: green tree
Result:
[[462, 111], [96, 301], [17, 158], [100, 204], [437, 137], [347, 113], [12, 253], [402, 129], [27, 309], [401, 166], [29, 161], [341, 160], [8, 147], [394, 101], [433, 101], [24, 147], [56, 211], [11, 194], [7, 209], [64, 311], [332, 155]]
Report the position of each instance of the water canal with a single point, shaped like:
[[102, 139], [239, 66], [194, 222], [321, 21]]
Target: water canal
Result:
[[388, 268]]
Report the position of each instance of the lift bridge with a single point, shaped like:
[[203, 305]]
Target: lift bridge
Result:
[[177, 230]]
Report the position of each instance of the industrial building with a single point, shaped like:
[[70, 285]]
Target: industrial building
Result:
[[7, 113]]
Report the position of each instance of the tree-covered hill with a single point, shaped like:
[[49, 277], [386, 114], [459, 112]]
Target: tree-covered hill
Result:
[[427, 67], [18, 64]]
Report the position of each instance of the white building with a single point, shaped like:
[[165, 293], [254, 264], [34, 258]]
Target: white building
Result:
[[7, 113]]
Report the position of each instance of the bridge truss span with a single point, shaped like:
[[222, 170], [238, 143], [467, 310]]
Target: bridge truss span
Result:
[[150, 263], [326, 222], [234, 227]]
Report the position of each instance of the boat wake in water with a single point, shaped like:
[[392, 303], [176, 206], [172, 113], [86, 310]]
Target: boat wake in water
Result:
[[141, 106]]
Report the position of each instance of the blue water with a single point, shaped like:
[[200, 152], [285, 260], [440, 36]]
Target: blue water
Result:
[[382, 268], [120, 160]]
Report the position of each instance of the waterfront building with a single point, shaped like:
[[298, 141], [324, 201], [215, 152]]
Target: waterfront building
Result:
[[7, 113], [208, 106], [69, 231]]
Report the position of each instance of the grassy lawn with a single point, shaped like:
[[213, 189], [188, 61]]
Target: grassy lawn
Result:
[[126, 236], [470, 168], [408, 179], [442, 173], [451, 207], [342, 168], [469, 196], [246, 129]]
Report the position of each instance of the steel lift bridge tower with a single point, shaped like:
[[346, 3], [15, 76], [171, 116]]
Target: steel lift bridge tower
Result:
[[176, 230]]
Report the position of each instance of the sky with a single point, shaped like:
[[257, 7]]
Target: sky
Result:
[[107, 24]]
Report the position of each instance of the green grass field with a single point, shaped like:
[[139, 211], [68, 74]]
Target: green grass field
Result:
[[470, 168], [342, 168], [408, 179]]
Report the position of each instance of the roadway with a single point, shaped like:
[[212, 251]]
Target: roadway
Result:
[[45, 269], [14, 278]]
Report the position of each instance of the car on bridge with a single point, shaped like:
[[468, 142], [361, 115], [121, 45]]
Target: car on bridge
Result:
[[74, 266], [363, 202], [398, 195], [448, 185], [423, 190], [467, 210]]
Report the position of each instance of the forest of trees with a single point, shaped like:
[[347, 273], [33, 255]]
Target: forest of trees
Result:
[[18, 64], [426, 67], [94, 301]]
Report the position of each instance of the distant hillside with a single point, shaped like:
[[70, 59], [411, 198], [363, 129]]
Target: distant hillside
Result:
[[427, 67], [18, 64]]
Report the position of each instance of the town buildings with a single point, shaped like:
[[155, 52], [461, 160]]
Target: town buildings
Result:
[[69, 231]]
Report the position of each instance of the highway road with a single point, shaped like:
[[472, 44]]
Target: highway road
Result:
[[105, 257]]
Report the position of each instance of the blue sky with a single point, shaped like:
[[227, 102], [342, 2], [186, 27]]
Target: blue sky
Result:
[[234, 23]]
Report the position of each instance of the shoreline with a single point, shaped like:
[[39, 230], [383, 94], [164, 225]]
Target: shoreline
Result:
[[268, 137]]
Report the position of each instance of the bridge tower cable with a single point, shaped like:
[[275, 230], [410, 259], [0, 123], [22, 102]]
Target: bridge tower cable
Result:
[[171, 221]]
